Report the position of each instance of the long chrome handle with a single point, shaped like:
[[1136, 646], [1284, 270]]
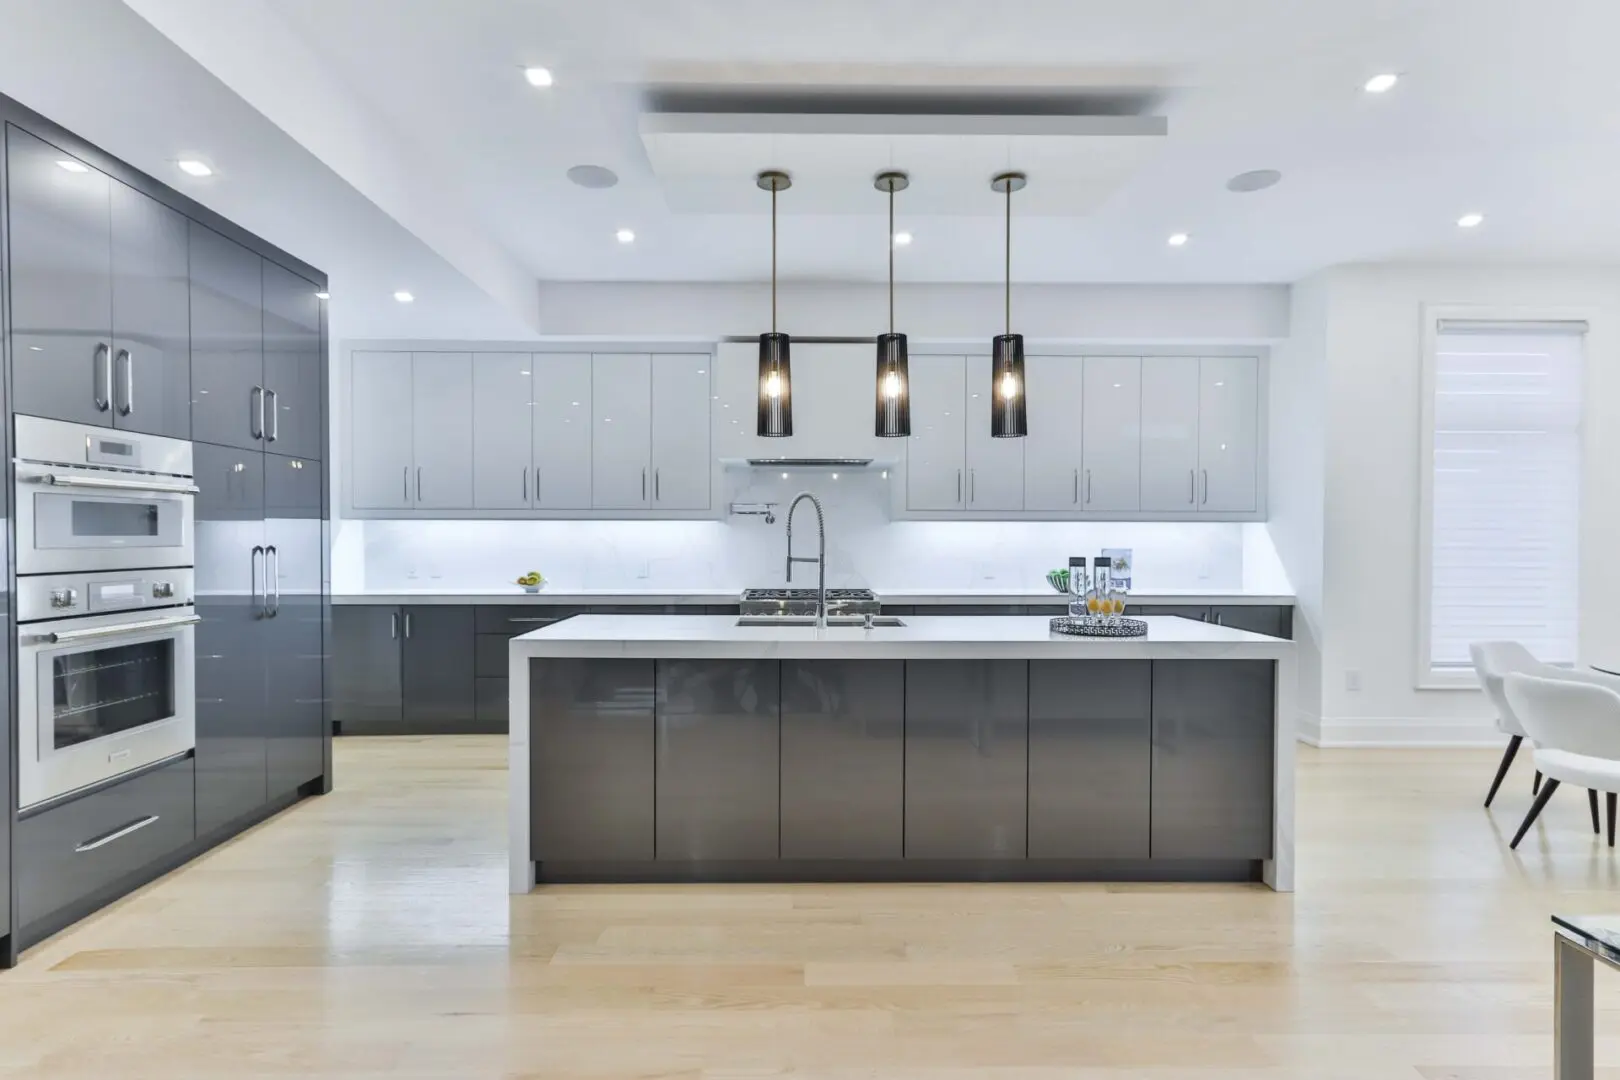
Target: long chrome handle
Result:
[[121, 629], [1076, 498], [537, 485], [1192, 486], [256, 412], [275, 420], [393, 626], [419, 483], [101, 376], [407, 624], [127, 361], [256, 593], [958, 485], [1205, 501], [272, 581], [108, 484], [973, 485], [644, 483], [658, 486], [117, 834], [1088, 487], [525, 483], [405, 483]]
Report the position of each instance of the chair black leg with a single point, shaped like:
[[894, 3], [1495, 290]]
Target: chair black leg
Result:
[[1535, 787], [1591, 798], [1542, 796], [1501, 770], [1611, 798]]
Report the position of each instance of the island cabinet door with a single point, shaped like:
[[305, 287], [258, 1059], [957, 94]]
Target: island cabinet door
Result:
[[843, 759], [967, 758], [591, 759], [719, 756], [1090, 751], [1213, 746]]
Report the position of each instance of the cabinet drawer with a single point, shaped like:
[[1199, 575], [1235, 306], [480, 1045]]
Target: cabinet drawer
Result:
[[516, 619], [72, 851]]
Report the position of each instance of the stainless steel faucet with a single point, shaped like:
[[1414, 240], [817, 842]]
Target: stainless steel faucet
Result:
[[821, 554]]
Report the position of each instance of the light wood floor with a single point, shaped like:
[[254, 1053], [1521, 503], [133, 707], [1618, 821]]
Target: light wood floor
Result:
[[369, 934]]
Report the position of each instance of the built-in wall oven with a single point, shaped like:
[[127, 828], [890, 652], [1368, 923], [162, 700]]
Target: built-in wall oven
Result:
[[106, 660]]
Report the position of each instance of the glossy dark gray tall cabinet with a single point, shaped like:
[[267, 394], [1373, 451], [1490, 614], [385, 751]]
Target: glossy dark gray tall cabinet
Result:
[[1090, 759], [366, 674], [719, 750], [227, 341], [292, 636], [1213, 746], [843, 759], [151, 316], [293, 367], [231, 713], [591, 750], [439, 661], [967, 765]]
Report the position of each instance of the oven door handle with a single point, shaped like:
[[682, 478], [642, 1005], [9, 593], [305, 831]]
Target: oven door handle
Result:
[[118, 485], [121, 629]]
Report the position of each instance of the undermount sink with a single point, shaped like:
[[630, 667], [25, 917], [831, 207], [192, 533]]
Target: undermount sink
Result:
[[858, 621]]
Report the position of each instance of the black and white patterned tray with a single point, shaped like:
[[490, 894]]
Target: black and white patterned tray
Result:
[[1087, 626]]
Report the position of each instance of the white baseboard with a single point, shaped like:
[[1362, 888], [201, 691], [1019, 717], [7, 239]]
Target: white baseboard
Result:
[[1403, 731]]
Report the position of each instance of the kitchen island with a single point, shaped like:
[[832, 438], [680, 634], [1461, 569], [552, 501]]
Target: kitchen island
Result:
[[691, 748]]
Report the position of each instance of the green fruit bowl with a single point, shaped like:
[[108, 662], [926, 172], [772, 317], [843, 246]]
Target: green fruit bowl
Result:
[[1058, 579]]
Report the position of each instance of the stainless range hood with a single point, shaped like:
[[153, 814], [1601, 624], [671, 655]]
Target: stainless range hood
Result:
[[808, 462]]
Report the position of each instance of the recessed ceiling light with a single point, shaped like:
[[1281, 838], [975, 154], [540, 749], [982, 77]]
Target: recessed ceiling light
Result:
[[1469, 221], [537, 76], [323, 296], [1254, 180], [403, 297], [625, 236], [1178, 239], [193, 167], [595, 177], [1378, 84], [73, 166], [901, 239]]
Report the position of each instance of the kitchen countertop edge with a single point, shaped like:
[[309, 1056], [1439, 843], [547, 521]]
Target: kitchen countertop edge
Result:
[[730, 596]]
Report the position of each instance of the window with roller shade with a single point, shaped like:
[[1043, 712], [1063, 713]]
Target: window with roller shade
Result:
[[1505, 490]]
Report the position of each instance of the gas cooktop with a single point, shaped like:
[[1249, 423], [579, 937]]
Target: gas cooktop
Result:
[[803, 602]]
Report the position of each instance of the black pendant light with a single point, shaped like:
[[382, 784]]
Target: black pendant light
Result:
[[775, 373], [1008, 417], [893, 364]]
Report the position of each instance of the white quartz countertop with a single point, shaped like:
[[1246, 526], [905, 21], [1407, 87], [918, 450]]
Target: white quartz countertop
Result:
[[903, 597], [922, 637]]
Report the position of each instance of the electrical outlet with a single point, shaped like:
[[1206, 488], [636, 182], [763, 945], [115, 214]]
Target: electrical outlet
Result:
[[1352, 681]]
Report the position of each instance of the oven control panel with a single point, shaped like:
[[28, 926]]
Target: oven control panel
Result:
[[64, 596]]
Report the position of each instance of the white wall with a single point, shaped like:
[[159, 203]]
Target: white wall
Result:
[[1370, 527]]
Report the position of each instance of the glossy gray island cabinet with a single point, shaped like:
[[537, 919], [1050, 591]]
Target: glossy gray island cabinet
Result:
[[739, 768]]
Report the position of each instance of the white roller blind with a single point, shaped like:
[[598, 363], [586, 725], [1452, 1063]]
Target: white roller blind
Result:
[[1506, 491]]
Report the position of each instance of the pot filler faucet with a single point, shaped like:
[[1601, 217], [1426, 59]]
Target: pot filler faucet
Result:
[[821, 554]]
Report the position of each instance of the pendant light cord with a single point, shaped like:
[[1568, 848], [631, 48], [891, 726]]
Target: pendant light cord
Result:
[[1008, 276], [773, 258], [891, 257]]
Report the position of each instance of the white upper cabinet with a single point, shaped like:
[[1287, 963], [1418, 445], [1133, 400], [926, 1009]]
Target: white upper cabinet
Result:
[[441, 430], [562, 413], [502, 407], [995, 467], [936, 452], [682, 465], [1228, 434], [1111, 429], [621, 431], [1052, 450], [380, 450], [1169, 433]]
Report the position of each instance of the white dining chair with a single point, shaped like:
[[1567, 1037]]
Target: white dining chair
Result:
[[1493, 661], [1573, 722]]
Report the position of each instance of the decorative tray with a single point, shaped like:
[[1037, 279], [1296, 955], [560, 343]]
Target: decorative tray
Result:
[[1089, 626]]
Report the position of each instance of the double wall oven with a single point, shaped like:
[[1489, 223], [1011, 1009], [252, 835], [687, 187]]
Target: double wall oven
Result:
[[106, 659]]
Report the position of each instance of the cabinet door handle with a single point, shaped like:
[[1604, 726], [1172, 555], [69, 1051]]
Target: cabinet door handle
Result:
[[1219, 615], [275, 419], [958, 485], [405, 483], [1088, 487], [1076, 498], [1192, 486], [101, 374], [658, 485], [525, 483], [407, 624], [973, 485], [419, 483], [272, 581], [1205, 500], [127, 361], [256, 413], [117, 834], [643, 483], [393, 626], [256, 592]]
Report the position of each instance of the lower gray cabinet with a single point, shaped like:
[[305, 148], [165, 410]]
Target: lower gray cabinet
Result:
[[1090, 759], [718, 762], [404, 671], [1213, 750], [366, 672], [1259, 619], [967, 758], [843, 759], [490, 702], [438, 656], [294, 636], [87, 846], [591, 756]]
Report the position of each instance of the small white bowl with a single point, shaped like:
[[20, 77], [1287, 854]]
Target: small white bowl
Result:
[[533, 588]]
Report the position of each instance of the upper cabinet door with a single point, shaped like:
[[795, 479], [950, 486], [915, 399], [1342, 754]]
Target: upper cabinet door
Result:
[[1170, 433], [502, 403], [681, 462], [441, 430], [61, 283], [621, 430], [151, 316], [1052, 459], [1228, 441], [380, 431], [995, 467], [562, 431], [227, 342], [1111, 428], [936, 452], [292, 364]]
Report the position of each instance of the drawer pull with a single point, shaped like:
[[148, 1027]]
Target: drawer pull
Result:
[[117, 834]]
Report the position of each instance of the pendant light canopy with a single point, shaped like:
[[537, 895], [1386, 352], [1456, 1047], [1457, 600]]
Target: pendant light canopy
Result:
[[893, 363], [1008, 416], [775, 372]]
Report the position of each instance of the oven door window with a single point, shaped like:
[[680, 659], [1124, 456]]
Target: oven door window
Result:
[[100, 521], [113, 688]]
